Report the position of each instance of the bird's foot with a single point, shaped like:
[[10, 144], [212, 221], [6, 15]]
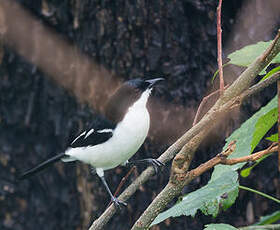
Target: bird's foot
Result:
[[118, 203], [155, 163]]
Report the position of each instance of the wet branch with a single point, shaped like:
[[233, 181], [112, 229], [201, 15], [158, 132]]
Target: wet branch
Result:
[[184, 148]]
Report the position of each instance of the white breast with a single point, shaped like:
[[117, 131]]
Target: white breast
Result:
[[127, 138]]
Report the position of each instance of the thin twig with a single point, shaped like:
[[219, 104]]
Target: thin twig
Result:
[[219, 47], [218, 159], [252, 157], [251, 91], [202, 103], [221, 158]]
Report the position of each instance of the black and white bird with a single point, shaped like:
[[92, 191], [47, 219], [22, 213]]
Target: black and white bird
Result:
[[114, 141]]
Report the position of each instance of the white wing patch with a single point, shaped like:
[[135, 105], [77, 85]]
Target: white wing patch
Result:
[[88, 133], [82, 134], [105, 131]]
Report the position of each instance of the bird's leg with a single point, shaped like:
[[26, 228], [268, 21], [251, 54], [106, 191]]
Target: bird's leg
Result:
[[154, 162], [116, 201]]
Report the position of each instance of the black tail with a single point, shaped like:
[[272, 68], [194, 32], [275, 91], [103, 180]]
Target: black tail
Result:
[[41, 166]]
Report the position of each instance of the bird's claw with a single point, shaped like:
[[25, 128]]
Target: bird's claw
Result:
[[156, 164], [118, 203]]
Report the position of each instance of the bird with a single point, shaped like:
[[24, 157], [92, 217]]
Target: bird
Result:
[[117, 138]]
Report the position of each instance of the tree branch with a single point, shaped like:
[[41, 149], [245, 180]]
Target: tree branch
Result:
[[227, 102], [261, 85], [221, 158], [231, 98], [252, 157]]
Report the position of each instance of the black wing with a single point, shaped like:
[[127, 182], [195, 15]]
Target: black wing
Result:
[[96, 134]]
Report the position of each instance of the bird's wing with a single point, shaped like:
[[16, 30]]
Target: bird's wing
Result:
[[95, 135]]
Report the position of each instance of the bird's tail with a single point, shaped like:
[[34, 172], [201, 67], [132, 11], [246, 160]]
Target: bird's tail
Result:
[[41, 166]]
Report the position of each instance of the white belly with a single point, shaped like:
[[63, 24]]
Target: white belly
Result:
[[127, 138]]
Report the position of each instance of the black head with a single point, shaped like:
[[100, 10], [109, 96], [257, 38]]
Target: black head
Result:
[[141, 84], [125, 96]]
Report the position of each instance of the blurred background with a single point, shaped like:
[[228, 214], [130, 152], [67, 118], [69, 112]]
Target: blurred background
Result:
[[60, 60]]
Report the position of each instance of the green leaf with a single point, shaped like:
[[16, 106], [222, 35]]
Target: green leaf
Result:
[[273, 71], [248, 54], [249, 135], [219, 227], [264, 124], [273, 137], [246, 172], [217, 194], [269, 219]]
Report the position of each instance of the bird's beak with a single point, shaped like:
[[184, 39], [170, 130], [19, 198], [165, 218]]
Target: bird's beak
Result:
[[152, 82]]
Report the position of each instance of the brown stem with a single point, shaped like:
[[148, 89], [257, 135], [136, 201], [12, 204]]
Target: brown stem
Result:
[[252, 157], [219, 47], [122, 182]]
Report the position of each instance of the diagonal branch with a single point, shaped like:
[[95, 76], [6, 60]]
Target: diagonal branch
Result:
[[261, 85], [232, 97], [197, 132]]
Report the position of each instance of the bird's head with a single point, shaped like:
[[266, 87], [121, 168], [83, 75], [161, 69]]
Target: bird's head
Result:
[[142, 85], [127, 95]]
